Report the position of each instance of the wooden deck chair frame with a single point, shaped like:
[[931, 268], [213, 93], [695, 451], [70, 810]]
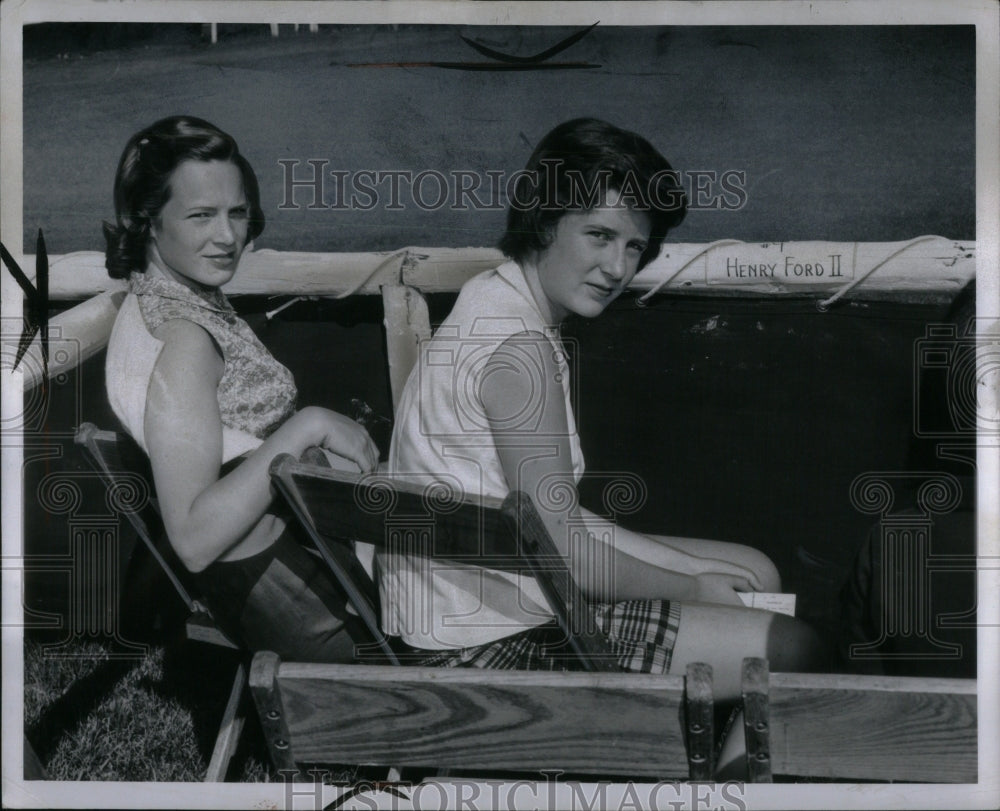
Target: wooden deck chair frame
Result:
[[854, 727], [337, 509], [103, 451], [304, 708]]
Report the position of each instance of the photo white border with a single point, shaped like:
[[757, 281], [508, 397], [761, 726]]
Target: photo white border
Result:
[[984, 14]]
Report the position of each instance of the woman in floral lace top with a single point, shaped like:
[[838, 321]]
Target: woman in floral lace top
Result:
[[203, 396]]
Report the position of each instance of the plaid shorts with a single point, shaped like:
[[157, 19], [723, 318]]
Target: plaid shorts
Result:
[[642, 634]]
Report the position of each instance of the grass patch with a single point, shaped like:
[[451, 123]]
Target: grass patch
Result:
[[90, 716]]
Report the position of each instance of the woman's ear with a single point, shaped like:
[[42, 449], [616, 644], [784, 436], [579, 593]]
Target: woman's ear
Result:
[[548, 235]]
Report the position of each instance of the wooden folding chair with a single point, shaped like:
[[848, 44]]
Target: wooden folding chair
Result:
[[849, 727], [370, 714], [117, 458], [337, 509]]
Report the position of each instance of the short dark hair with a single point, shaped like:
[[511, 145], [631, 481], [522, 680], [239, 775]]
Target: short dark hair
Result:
[[577, 163], [142, 184]]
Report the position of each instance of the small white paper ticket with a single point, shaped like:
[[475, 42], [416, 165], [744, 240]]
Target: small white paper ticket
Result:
[[769, 601]]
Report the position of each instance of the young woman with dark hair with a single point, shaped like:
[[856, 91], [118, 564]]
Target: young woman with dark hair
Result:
[[488, 409], [205, 399]]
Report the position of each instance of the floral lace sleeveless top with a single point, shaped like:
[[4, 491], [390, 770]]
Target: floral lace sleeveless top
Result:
[[256, 394]]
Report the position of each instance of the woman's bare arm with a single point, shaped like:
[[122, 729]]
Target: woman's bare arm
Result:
[[536, 458], [206, 516]]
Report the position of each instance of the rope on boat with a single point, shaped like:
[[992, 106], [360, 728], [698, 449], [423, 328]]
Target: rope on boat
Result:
[[824, 305], [641, 301], [402, 252]]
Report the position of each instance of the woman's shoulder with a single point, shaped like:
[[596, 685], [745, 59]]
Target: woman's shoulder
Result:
[[495, 302], [189, 352], [136, 345], [130, 333], [483, 281], [184, 334], [135, 330]]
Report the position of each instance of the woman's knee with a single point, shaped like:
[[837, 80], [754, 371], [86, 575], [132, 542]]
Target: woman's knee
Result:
[[764, 568], [793, 646]]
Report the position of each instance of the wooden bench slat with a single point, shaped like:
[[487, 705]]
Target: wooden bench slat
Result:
[[873, 729], [496, 720]]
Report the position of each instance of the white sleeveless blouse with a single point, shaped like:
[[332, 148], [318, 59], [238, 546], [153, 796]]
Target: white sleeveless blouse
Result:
[[442, 434]]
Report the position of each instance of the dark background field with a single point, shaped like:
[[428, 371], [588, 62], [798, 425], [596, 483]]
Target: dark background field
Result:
[[747, 420]]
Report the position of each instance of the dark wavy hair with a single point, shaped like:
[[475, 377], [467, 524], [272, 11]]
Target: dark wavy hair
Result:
[[573, 168], [142, 184]]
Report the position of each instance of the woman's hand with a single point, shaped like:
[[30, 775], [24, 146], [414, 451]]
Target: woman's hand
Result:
[[712, 587], [343, 436]]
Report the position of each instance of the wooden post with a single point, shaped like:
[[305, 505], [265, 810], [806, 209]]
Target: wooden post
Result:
[[407, 323], [74, 336], [229, 731], [264, 687], [699, 721], [756, 719]]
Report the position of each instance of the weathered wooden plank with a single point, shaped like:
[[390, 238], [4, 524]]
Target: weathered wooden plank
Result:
[[267, 697], [933, 269], [923, 264], [74, 336], [873, 728], [262, 272], [230, 729], [931, 265], [756, 722], [485, 719], [874, 684], [699, 715], [445, 270], [407, 323]]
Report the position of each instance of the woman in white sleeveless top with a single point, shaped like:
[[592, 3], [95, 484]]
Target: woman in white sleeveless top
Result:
[[205, 399], [487, 410]]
